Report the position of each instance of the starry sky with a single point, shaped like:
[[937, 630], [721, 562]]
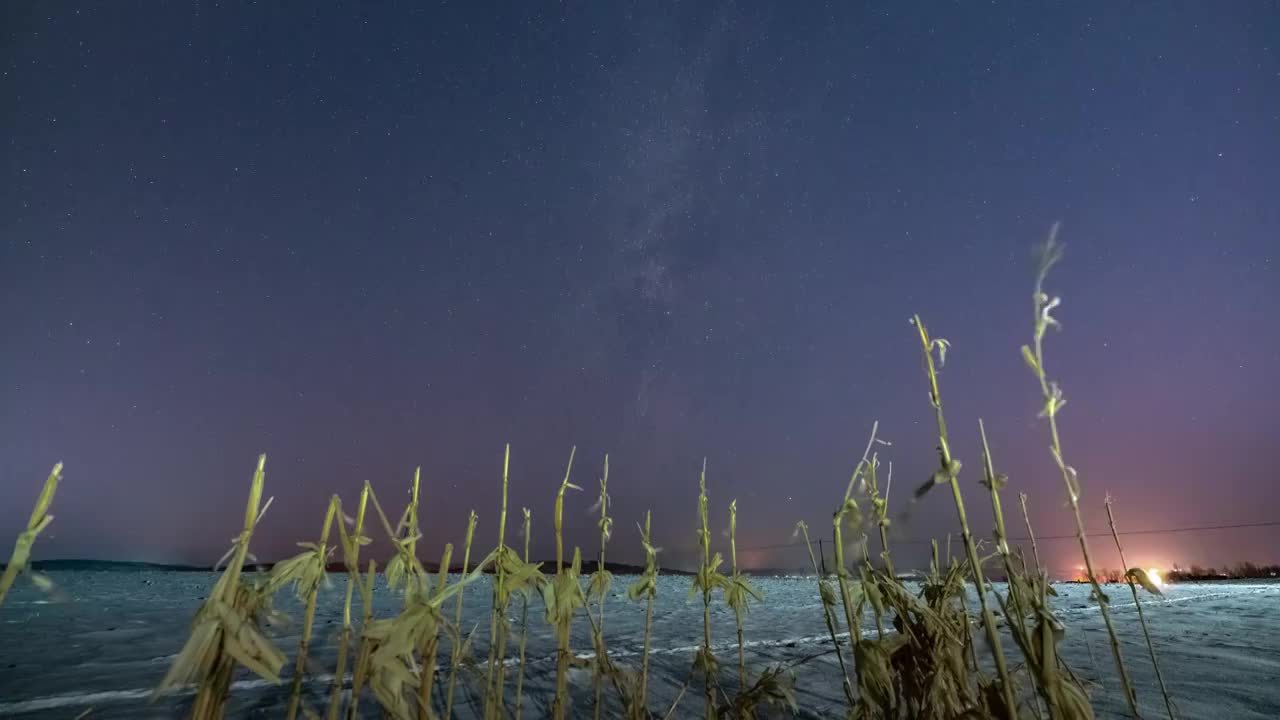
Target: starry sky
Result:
[[362, 238]]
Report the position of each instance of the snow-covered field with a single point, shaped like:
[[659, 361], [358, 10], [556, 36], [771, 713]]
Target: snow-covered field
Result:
[[104, 639]]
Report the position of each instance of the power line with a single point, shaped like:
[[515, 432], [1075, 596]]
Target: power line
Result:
[[1190, 528], [1072, 536]]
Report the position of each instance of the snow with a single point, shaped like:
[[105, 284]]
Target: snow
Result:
[[103, 640]]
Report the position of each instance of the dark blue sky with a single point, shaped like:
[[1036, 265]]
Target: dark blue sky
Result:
[[362, 238]]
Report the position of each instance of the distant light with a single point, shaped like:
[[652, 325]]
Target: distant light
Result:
[[1154, 575]]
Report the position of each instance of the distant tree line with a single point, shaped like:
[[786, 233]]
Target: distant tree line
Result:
[[1239, 571]]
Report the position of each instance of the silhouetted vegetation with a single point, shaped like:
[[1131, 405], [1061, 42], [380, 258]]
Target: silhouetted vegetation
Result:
[[1240, 571]]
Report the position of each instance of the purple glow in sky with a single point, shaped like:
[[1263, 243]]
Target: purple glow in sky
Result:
[[362, 239]]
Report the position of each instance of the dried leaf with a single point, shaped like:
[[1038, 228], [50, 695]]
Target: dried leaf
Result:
[[827, 593], [942, 346], [644, 586], [1140, 577], [601, 581], [1030, 359]]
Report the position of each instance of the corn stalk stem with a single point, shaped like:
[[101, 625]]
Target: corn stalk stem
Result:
[[352, 561], [1035, 549], [1142, 620], [602, 654], [737, 611], [993, 482], [828, 616], [40, 519], [842, 572], [881, 506], [870, 574], [704, 538], [497, 620], [431, 644], [648, 627], [455, 659], [413, 531], [560, 703], [362, 659], [212, 694], [950, 468], [1016, 601], [309, 615], [1052, 396], [524, 619]]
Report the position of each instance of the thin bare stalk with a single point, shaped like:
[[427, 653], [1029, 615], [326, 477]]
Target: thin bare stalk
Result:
[[1093, 660], [707, 582], [567, 598], [524, 617], [1019, 605], [644, 663], [1035, 550], [676, 703], [849, 513], [455, 660], [647, 586], [1142, 620], [968, 631], [351, 558], [412, 517], [1053, 398], [599, 587], [880, 508], [497, 620], [994, 482], [737, 609], [947, 474], [361, 672], [828, 597], [559, 511]]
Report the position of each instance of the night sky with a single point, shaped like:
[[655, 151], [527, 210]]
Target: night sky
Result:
[[362, 239]]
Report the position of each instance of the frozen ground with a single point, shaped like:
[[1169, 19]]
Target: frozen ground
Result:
[[104, 639]]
